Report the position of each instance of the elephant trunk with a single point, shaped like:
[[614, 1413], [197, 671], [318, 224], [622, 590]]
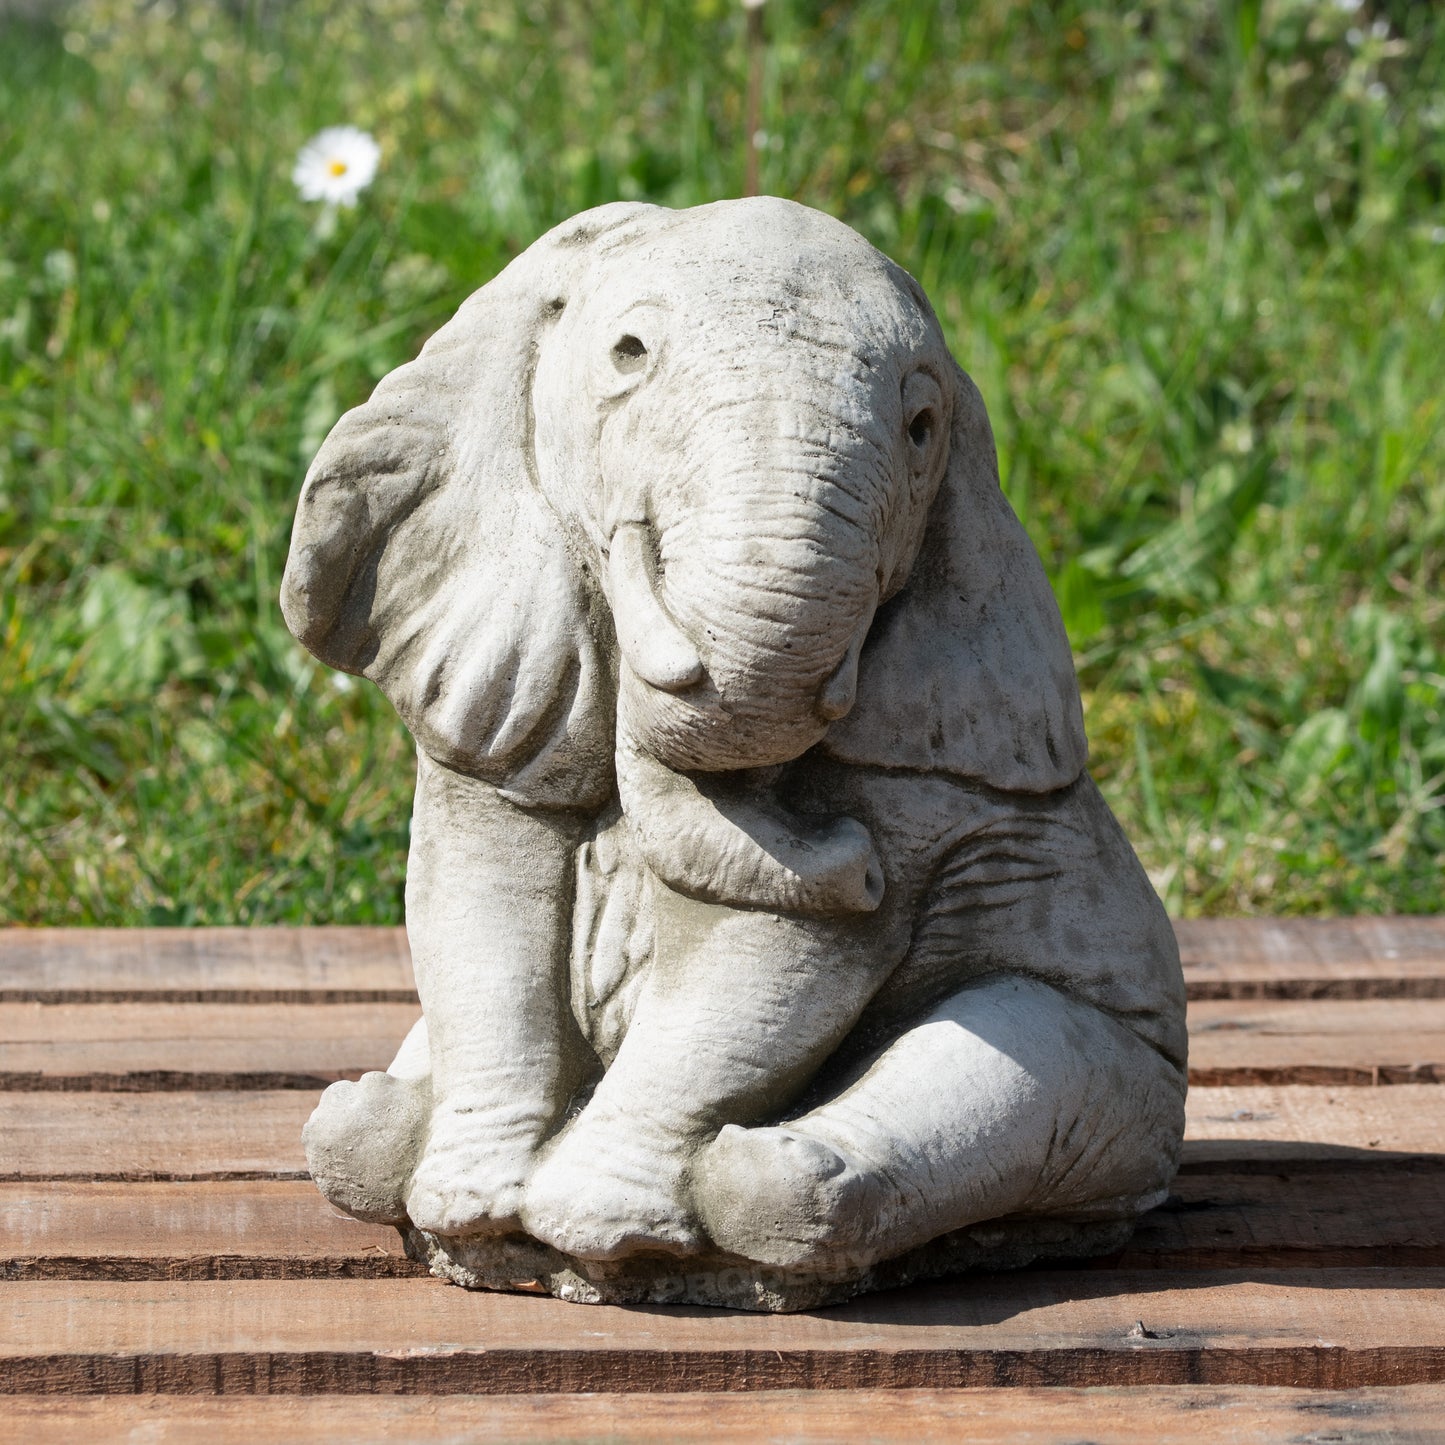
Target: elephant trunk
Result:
[[774, 578], [769, 577], [741, 613], [725, 845]]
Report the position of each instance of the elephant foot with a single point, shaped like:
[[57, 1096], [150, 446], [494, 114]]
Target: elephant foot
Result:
[[362, 1142], [468, 1181], [606, 1204], [783, 1197]]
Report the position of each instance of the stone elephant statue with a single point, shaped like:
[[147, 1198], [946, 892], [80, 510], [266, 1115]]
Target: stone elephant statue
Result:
[[767, 925]]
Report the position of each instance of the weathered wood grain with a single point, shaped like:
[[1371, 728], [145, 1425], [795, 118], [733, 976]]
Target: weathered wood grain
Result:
[[220, 1135], [137, 1046], [228, 1229], [1310, 1041], [167, 1239], [1163, 1415], [1313, 957], [1223, 958], [283, 1229], [140, 1046], [1329, 1330], [178, 965], [1316, 1220], [1261, 1127], [257, 1134]]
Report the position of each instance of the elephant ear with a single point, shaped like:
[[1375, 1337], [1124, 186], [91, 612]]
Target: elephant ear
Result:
[[967, 671], [425, 558]]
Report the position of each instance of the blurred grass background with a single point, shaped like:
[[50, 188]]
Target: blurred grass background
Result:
[[1193, 253]]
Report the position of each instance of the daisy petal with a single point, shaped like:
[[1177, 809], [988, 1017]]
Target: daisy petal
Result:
[[336, 165]]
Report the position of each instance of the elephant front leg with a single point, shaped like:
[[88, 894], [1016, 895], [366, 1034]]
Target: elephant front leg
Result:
[[488, 916], [740, 1010]]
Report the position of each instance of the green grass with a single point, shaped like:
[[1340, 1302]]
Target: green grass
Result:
[[1193, 253]]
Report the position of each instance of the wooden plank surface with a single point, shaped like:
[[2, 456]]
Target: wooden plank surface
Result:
[[237, 965], [225, 1133], [157, 1231], [1311, 1041], [1335, 1329], [178, 1135], [1281, 1220], [196, 1046], [229, 1229], [1163, 1415], [1262, 1126], [1313, 957], [1223, 958], [283, 1229], [274, 1046]]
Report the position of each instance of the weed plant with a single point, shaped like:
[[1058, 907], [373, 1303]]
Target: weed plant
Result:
[[1193, 252]]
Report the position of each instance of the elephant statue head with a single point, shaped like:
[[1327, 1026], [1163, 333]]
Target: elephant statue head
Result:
[[677, 497]]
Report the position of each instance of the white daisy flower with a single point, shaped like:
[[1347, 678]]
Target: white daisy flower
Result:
[[336, 165]]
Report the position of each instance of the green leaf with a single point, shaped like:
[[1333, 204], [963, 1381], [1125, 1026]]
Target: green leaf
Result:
[[1236, 691], [321, 414], [1320, 745], [1187, 559], [64, 736], [135, 638], [1080, 602], [1246, 24], [1378, 700]]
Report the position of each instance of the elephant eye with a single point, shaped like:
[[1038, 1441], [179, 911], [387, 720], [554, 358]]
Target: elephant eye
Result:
[[629, 354], [921, 428]]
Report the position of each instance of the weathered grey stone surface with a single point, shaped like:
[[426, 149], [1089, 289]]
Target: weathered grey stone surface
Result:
[[773, 942]]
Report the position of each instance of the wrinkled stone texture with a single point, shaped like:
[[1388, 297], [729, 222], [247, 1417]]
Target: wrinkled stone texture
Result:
[[773, 942]]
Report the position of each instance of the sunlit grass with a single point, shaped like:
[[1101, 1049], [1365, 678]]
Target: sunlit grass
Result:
[[1194, 254]]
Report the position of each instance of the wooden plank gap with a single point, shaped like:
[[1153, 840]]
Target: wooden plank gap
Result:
[[209, 995], [1155, 1359], [159, 1176], [157, 1081], [1314, 1076]]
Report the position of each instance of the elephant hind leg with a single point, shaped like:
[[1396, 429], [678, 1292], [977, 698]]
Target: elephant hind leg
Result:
[[1009, 1098]]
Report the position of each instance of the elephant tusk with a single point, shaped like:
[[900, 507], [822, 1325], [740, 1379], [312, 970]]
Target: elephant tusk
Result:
[[655, 647], [841, 689]]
